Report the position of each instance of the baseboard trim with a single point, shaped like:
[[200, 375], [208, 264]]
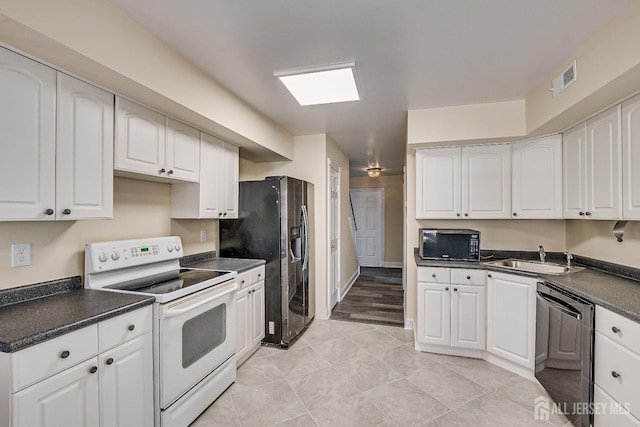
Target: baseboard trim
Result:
[[350, 282], [408, 324], [392, 264]]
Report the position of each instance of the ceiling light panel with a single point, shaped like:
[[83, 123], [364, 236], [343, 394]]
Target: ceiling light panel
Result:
[[322, 85]]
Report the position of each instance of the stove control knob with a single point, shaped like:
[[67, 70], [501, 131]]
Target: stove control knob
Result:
[[170, 247], [176, 247], [103, 257], [115, 256]]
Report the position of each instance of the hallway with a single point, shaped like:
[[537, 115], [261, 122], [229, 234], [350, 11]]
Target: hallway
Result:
[[375, 297]]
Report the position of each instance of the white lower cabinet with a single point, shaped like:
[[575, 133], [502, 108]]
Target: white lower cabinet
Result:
[[616, 370], [73, 380], [250, 313], [511, 318], [451, 309]]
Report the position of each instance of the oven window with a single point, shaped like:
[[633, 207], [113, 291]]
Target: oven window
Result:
[[202, 334]]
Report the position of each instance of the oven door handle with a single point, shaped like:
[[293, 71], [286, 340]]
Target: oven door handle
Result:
[[172, 312], [560, 305]]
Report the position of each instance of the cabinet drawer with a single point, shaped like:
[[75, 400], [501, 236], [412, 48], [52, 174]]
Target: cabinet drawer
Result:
[[464, 276], [244, 279], [123, 328], [611, 358], [628, 331], [610, 413], [43, 360], [434, 275], [257, 274]]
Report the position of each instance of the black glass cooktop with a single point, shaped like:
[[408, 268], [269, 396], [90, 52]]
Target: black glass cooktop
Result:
[[169, 282]]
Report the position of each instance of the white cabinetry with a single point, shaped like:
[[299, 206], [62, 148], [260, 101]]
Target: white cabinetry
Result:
[[149, 144], [216, 195], [84, 378], [471, 182], [616, 368], [451, 311], [250, 313], [631, 158], [45, 175], [592, 168], [537, 178], [511, 318]]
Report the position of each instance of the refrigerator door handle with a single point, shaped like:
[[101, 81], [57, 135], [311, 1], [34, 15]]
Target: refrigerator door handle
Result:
[[305, 216]]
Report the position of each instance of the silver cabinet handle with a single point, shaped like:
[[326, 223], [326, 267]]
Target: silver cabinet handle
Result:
[[615, 330], [614, 374]]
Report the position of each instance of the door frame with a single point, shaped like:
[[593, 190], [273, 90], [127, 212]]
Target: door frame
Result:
[[383, 228], [333, 274]]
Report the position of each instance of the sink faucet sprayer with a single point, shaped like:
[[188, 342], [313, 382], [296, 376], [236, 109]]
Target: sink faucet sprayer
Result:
[[542, 253], [569, 258]]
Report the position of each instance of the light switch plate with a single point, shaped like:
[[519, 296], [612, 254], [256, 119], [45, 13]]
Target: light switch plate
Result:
[[203, 236], [20, 254]]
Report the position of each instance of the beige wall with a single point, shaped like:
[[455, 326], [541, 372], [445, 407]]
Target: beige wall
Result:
[[393, 212], [594, 239], [141, 209], [96, 41]]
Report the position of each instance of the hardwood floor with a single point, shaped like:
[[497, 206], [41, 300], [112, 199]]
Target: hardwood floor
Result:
[[375, 297]]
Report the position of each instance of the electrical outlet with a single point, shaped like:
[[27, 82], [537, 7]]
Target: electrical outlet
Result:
[[203, 236], [20, 254]]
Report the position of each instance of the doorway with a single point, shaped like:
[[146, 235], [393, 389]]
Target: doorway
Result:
[[334, 235], [368, 210]]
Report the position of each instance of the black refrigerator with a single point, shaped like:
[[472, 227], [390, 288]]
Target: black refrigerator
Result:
[[275, 223]]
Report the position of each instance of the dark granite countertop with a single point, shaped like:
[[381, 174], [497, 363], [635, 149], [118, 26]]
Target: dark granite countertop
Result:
[[612, 286], [45, 315], [231, 264]]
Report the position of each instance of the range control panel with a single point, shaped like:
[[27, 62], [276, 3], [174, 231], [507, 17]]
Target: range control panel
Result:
[[115, 255]]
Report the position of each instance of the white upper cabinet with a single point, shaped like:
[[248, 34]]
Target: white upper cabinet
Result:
[[27, 138], [464, 182], [84, 186], [149, 144], [592, 168], [216, 195], [537, 178], [631, 158]]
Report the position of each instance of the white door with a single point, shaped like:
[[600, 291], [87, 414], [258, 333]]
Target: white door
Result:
[[467, 316], [182, 155], [603, 169], [211, 188], [68, 399], [438, 183], [84, 186], [231, 182], [537, 178], [434, 302], [631, 158], [367, 208], [574, 153], [243, 323], [257, 313], [334, 233], [27, 138], [126, 384], [486, 181]]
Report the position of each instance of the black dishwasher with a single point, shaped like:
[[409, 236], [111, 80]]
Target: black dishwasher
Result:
[[564, 351]]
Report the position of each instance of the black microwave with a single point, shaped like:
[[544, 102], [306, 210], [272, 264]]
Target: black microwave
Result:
[[447, 243]]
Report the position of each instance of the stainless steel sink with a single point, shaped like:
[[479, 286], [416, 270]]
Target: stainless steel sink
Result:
[[534, 266]]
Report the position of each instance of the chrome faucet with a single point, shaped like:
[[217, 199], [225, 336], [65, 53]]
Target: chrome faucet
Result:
[[542, 253], [569, 258]]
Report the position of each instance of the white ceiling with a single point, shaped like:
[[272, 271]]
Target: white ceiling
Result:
[[409, 54]]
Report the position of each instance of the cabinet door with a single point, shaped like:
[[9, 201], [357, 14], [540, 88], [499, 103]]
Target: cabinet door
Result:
[[511, 318], [438, 183], [603, 167], [486, 181], [68, 399], [468, 316], [243, 324], [434, 314], [257, 313], [231, 182], [182, 159], [84, 186], [27, 138], [140, 139], [631, 158], [211, 177], [574, 153], [537, 178], [126, 390]]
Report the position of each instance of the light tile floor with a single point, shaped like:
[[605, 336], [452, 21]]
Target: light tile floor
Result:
[[353, 374]]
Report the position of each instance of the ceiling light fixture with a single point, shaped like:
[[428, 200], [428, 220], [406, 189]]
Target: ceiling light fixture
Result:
[[321, 85], [374, 172]]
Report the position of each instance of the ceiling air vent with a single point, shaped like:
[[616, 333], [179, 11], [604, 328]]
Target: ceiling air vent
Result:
[[565, 79]]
